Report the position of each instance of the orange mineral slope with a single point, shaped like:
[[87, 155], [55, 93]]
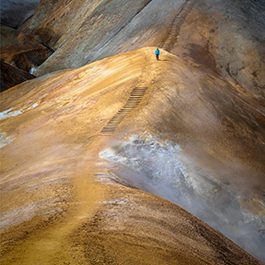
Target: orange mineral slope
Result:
[[227, 36], [74, 142]]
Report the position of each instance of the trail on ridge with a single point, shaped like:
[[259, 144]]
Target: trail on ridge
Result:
[[133, 101], [169, 41]]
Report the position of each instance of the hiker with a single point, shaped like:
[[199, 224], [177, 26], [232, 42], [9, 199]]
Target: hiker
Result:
[[157, 53]]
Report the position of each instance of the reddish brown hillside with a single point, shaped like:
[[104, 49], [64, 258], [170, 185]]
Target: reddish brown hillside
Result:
[[67, 139]]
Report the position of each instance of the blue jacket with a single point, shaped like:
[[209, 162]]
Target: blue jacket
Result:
[[157, 52]]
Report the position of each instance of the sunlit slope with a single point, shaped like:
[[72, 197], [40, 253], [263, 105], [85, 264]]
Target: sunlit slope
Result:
[[224, 36], [164, 127]]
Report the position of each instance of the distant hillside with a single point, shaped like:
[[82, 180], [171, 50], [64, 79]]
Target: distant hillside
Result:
[[14, 12], [225, 36]]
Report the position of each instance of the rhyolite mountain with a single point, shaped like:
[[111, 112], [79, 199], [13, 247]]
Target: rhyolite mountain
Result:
[[225, 36], [75, 142], [129, 160]]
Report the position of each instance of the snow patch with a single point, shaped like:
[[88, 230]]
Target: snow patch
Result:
[[33, 70], [5, 140], [9, 113], [33, 106], [116, 201]]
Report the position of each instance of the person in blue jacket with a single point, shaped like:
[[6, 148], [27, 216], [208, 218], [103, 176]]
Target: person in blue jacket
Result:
[[157, 53]]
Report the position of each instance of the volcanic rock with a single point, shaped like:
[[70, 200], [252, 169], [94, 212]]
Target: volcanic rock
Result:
[[224, 36], [14, 12], [11, 76], [21, 51], [74, 142]]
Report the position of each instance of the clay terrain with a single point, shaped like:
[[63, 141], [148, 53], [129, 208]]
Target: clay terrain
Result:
[[224, 36], [109, 156]]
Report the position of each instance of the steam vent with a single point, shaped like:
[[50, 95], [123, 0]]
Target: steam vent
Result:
[[132, 132]]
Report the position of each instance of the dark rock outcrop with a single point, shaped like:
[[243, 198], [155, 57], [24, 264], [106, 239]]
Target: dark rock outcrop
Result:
[[14, 12], [24, 52], [11, 76]]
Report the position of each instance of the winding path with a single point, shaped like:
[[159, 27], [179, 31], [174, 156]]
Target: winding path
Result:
[[169, 41], [133, 101]]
